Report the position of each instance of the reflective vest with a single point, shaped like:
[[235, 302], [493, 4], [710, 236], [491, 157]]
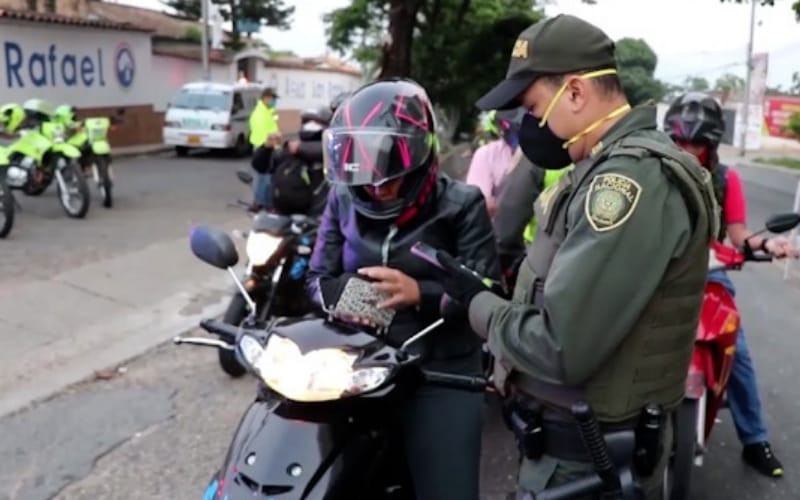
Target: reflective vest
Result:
[[263, 122], [551, 177]]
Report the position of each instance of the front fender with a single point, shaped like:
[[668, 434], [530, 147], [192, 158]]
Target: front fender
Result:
[[66, 149]]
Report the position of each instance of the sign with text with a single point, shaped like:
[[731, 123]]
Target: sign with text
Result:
[[777, 111]]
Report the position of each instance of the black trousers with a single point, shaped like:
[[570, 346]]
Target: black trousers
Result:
[[442, 437]]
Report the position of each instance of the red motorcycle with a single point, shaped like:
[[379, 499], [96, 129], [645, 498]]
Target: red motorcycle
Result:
[[712, 362]]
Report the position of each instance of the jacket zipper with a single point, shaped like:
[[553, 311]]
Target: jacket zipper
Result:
[[386, 243]]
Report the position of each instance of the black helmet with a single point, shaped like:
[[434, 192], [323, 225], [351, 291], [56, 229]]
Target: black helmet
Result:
[[695, 117], [384, 131], [338, 100], [312, 122]]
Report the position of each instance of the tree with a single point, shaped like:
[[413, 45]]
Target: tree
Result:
[[457, 49], [729, 83], [795, 88], [771, 3], [265, 12], [636, 63], [696, 84]]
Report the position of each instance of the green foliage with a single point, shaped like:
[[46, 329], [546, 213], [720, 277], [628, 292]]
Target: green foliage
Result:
[[696, 84], [459, 48], [194, 34], [267, 12], [729, 83], [771, 3], [794, 124], [636, 63]]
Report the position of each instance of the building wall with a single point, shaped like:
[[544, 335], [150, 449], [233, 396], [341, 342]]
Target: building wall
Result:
[[305, 88], [172, 73]]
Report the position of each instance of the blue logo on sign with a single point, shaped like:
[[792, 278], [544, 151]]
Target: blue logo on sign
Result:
[[125, 65]]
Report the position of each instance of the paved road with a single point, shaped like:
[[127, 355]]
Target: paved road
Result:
[[160, 427]]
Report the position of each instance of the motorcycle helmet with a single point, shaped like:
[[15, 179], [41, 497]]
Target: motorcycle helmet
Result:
[[11, 117], [507, 124], [384, 131], [38, 110], [313, 122], [338, 100], [65, 114], [695, 118]]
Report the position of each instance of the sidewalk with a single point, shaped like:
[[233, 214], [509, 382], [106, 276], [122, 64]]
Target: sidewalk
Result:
[[58, 331], [142, 149]]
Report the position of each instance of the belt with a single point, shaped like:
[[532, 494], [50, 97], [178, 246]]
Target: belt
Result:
[[563, 440]]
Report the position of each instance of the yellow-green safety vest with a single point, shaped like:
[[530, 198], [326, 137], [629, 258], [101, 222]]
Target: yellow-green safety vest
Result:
[[263, 122], [551, 177]]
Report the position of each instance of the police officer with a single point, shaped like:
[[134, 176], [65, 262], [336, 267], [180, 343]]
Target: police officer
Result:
[[608, 296]]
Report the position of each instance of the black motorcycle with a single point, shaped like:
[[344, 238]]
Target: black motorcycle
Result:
[[278, 250], [318, 428]]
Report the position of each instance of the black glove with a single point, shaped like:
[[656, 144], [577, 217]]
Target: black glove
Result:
[[460, 283]]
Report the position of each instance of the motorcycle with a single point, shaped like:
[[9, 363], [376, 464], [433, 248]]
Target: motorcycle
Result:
[[320, 425], [278, 251], [7, 202], [41, 155], [91, 139], [712, 362]]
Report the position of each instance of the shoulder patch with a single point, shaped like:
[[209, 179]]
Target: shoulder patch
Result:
[[611, 200]]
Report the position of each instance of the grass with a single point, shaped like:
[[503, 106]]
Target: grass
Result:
[[781, 161]]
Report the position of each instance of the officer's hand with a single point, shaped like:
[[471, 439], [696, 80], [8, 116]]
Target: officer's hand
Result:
[[459, 282], [780, 247], [403, 290]]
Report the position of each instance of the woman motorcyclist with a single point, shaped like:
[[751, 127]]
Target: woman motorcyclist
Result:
[[695, 123], [387, 194]]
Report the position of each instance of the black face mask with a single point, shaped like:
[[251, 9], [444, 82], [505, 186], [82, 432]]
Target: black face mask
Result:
[[541, 146]]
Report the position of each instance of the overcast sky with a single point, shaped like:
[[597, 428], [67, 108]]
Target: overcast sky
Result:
[[673, 28]]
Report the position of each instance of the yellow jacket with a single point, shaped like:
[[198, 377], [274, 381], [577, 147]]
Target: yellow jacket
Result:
[[263, 122]]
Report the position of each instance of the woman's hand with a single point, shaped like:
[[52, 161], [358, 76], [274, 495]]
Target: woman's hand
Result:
[[403, 290], [780, 247]]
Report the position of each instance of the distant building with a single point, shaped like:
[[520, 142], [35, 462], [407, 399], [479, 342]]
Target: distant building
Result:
[[109, 58]]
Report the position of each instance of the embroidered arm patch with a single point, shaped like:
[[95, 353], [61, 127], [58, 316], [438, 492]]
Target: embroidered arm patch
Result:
[[611, 200]]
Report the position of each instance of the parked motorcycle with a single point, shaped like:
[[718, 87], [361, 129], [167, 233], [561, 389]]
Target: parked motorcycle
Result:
[[41, 155], [712, 362], [91, 139], [7, 202], [320, 425], [278, 250]]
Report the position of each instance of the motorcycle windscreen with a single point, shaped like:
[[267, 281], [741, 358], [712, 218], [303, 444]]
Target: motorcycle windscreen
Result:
[[281, 456]]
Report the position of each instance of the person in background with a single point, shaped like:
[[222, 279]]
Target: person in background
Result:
[[493, 160], [694, 121], [265, 136]]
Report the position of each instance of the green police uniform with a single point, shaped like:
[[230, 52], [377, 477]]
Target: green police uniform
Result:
[[607, 299]]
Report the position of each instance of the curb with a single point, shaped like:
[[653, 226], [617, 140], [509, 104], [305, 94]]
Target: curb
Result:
[[754, 164], [148, 151]]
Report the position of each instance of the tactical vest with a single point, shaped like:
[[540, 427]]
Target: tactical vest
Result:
[[551, 177], [651, 363]]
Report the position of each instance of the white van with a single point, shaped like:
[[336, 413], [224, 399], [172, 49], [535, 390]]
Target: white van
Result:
[[211, 115]]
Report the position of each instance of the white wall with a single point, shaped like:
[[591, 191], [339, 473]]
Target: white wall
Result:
[[301, 89], [170, 73], [78, 65]]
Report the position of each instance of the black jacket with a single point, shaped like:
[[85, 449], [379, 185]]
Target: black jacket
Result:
[[455, 219], [310, 153]]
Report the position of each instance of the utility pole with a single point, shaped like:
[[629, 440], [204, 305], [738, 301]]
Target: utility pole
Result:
[[747, 82], [206, 75]]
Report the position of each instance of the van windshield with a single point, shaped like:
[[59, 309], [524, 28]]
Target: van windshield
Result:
[[192, 99]]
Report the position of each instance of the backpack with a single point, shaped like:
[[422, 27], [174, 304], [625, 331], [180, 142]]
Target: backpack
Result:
[[292, 190]]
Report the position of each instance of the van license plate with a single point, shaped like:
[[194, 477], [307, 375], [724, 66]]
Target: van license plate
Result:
[[193, 139]]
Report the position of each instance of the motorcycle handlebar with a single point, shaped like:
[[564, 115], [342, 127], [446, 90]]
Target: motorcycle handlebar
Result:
[[464, 382], [223, 330]]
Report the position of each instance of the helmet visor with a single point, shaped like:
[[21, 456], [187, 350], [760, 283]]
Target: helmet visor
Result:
[[360, 156]]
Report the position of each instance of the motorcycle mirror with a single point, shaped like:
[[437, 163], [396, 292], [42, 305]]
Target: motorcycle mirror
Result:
[[245, 177], [781, 223], [214, 247]]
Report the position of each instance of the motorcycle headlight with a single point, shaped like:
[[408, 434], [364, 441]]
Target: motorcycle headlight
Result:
[[319, 375], [260, 247]]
